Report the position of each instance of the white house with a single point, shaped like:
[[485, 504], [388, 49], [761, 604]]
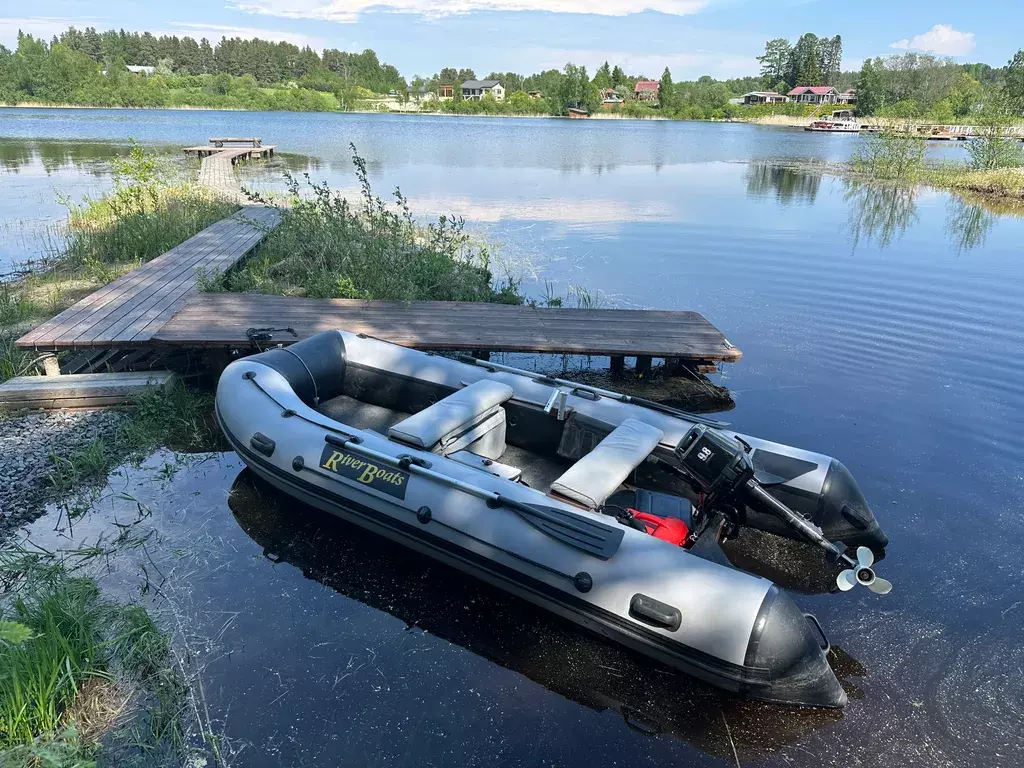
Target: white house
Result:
[[763, 97], [475, 89]]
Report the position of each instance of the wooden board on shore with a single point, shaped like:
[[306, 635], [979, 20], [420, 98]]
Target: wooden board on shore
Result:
[[222, 320], [83, 390]]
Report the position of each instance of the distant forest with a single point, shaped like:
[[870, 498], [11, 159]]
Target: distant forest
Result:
[[87, 67]]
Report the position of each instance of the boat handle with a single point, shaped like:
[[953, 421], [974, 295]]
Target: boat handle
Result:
[[655, 612], [633, 721], [263, 444], [819, 631]]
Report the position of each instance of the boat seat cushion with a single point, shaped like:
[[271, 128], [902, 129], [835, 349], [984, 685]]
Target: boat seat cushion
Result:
[[460, 414], [595, 477]]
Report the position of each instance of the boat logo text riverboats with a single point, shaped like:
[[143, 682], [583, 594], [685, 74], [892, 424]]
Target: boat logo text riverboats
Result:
[[385, 479]]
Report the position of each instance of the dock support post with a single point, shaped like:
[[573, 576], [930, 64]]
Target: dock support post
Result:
[[643, 365], [51, 367], [618, 365], [482, 354]]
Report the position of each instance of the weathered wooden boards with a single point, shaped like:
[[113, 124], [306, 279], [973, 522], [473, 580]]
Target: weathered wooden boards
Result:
[[252, 141], [236, 152], [83, 390], [129, 310], [222, 319]]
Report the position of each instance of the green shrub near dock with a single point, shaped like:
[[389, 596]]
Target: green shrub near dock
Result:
[[327, 246]]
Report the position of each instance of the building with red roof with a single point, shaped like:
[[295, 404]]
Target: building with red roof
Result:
[[646, 90], [814, 94]]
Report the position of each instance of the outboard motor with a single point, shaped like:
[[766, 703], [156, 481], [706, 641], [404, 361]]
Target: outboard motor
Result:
[[721, 470]]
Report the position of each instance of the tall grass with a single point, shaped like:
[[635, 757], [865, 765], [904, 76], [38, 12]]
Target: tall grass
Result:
[[40, 676], [179, 417], [13, 360], [146, 214], [68, 660], [329, 247]]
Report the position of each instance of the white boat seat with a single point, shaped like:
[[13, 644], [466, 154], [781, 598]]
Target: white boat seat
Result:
[[470, 415], [595, 477]]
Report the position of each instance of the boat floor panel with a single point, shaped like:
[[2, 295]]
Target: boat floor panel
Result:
[[361, 415], [538, 472]]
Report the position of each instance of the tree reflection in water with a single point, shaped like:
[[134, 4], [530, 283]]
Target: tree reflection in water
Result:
[[967, 224], [789, 184], [880, 213]]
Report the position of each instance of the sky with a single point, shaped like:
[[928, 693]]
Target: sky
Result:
[[720, 38]]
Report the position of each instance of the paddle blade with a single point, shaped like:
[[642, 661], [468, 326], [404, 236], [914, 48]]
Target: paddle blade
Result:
[[595, 538]]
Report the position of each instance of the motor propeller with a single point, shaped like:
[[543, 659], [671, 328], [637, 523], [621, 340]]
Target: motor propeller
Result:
[[720, 468], [862, 573]]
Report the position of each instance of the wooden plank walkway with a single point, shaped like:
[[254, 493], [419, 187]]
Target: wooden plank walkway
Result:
[[222, 319], [128, 311], [83, 390]]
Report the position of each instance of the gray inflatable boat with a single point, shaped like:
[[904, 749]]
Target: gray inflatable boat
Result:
[[538, 486]]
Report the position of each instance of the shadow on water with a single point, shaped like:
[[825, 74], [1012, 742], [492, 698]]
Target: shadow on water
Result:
[[651, 699], [788, 185]]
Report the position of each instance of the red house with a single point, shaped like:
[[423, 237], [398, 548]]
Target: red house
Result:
[[814, 94], [646, 90]]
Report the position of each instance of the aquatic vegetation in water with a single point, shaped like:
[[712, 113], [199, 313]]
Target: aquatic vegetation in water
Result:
[[327, 246], [890, 156], [148, 213], [178, 416]]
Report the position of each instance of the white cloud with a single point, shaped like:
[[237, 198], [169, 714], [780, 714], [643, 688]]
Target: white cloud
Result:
[[684, 66], [48, 26], [214, 32], [349, 10], [941, 39], [37, 26]]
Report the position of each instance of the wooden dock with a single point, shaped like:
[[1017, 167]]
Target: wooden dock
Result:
[[128, 311], [233, 153], [158, 307], [223, 320]]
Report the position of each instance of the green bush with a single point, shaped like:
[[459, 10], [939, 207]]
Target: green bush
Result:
[[993, 150], [329, 247], [144, 216], [891, 156]]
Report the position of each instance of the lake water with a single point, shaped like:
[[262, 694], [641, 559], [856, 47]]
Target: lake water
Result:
[[882, 327]]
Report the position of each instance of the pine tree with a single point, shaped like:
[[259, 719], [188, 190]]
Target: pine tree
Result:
[[775, 61], [666, 92], [618, 76], [603, 76]]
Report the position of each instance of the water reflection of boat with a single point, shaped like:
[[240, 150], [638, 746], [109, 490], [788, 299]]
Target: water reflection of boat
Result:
[[650, 698]]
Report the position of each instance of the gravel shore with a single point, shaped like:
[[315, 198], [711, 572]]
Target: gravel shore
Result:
[[27, 445]]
